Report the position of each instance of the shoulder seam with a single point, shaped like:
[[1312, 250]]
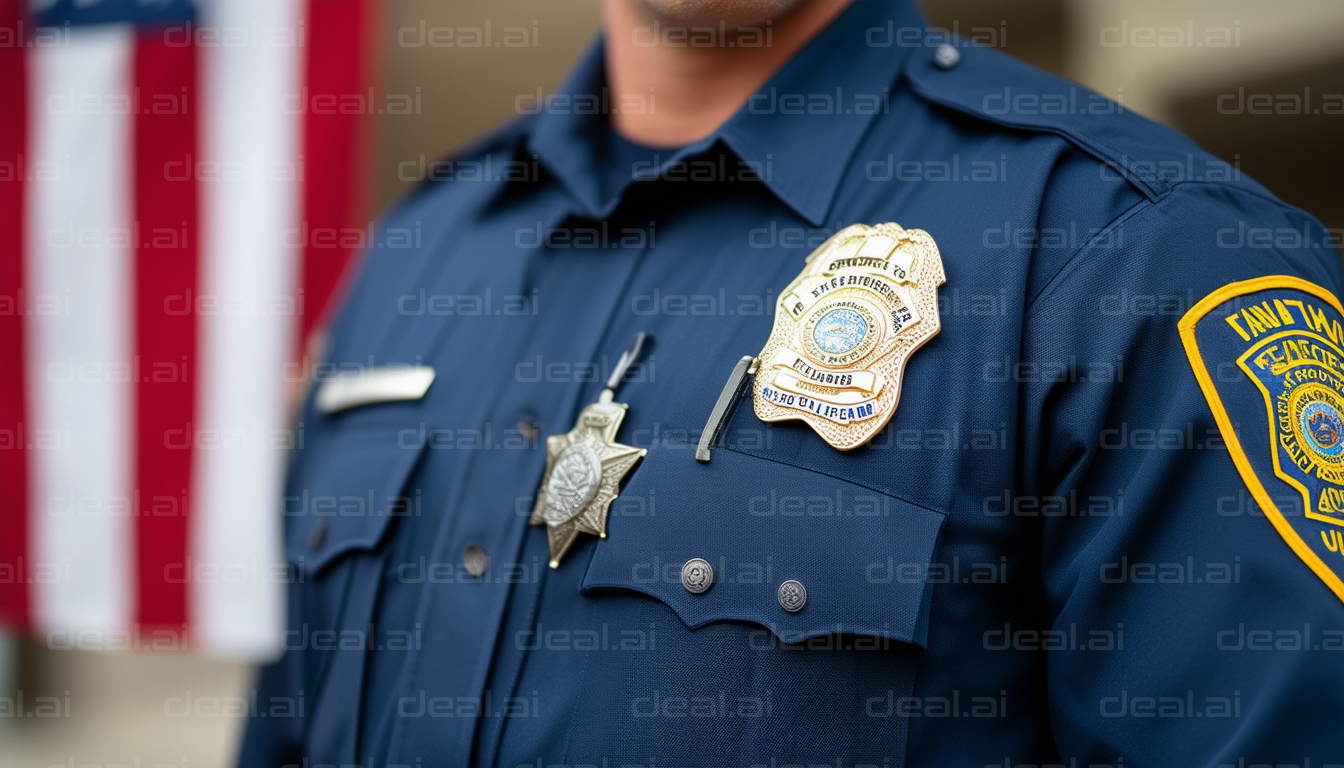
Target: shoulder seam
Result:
[[1146, 204], [1266, 196], [1059, 275]]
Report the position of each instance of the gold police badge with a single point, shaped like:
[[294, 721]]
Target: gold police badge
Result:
[[844, 329]]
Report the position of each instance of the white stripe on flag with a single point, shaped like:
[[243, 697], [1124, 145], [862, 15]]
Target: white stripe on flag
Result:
[[250, 275], [79, 345]]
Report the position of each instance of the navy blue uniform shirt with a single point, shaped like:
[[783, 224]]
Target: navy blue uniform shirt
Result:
[[1102, 527]]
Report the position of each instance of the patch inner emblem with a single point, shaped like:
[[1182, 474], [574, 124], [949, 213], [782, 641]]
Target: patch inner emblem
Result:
[[844, 329]]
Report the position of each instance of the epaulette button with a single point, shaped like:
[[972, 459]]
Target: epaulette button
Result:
[[946, 56]]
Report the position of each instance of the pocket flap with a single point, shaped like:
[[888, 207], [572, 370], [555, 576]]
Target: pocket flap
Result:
[[344, 491], [760, 523]]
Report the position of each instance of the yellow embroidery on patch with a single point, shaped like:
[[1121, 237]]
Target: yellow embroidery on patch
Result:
[[1251, 324]]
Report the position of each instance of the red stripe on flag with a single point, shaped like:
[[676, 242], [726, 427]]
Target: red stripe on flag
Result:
[[14, 608], [164, 77], [338, 106]]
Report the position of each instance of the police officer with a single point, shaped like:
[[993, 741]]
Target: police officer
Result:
[[970, 421]]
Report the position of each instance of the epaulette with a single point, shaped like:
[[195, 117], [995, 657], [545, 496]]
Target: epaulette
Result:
[[989, 85]]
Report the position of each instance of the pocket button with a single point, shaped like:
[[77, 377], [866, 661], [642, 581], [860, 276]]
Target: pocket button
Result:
[[792, 596], [697, 576]]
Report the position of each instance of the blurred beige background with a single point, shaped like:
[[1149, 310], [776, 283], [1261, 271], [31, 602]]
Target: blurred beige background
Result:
[[1150, 54], [145, 710]]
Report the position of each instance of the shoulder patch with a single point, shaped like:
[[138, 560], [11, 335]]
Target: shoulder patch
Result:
[[1269, 357]]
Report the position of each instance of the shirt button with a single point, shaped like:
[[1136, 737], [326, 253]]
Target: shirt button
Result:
[[529, 429], [792, 596], [318, 536], [946, 57], [475, 559], [697, 576]]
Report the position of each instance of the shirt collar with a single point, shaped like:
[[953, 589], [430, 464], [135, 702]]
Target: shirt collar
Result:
[[800, 129]]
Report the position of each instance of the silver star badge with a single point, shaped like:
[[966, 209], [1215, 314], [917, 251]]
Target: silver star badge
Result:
[[585, 467]]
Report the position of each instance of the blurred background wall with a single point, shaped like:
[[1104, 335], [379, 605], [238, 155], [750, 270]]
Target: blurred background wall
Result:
[[1165, 59], [1255, 99]]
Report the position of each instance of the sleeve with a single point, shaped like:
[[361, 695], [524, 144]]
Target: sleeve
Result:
[[1194, 452]]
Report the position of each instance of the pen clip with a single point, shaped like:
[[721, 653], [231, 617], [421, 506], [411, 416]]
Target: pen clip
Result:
[[732, 389]]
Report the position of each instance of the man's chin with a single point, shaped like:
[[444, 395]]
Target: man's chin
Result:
[[710, 13]]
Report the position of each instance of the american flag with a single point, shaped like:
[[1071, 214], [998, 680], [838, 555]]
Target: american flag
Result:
[[176, 182]]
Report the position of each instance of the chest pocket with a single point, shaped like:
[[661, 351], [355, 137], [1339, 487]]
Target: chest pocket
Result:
[[347, 489], [340, 501], [736, 677], [760, 524]]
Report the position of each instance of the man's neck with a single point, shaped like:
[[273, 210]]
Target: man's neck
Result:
[[688, 84]]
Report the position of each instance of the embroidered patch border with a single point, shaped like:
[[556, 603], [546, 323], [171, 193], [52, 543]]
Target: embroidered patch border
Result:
[[1298, 405]]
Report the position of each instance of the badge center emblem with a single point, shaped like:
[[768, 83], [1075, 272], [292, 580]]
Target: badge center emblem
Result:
[[573, 483], [839, 331]]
